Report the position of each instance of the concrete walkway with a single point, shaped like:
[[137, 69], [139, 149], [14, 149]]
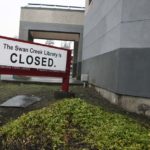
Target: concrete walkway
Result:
[[39, 79]]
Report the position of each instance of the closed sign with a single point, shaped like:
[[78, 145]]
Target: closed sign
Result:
[[26, 55]]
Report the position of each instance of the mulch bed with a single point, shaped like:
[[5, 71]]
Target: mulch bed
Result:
[[46, 93]]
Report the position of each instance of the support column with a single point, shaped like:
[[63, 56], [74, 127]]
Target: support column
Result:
[[75, 57]]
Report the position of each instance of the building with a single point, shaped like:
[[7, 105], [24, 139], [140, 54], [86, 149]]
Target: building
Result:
[[112, 45], [116, 51], [54, 22]]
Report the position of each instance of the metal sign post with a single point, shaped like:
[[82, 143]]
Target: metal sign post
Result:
[[65, 83]]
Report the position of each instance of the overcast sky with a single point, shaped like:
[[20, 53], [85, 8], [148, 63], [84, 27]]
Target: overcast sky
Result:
[[10, 13]]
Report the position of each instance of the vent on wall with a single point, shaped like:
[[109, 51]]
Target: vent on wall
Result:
[[84, 79]]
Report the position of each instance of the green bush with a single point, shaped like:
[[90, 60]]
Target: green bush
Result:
[[73, 124]]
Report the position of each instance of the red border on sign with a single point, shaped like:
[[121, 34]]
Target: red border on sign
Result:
[[38, 72]]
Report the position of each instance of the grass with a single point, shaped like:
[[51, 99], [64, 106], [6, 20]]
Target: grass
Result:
[[8, 90]]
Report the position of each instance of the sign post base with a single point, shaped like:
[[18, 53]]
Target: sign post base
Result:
[[63, 94]]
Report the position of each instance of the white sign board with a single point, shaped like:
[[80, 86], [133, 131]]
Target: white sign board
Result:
[[26, 55]]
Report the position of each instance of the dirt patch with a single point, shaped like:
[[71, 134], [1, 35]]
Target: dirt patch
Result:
[[46, 93]]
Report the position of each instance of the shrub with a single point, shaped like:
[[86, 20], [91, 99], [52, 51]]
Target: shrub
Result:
[[73, 124]]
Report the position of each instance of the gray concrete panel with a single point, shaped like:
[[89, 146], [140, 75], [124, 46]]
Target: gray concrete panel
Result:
[[25, 27], [134, 72], [123, 71], [100, 45], [59, 16], [99, 10], [135, 34], [103, 70], [23, 34], [102, 26], [134, 10]]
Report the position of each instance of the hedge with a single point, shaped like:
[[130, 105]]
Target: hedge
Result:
[[73, 124]]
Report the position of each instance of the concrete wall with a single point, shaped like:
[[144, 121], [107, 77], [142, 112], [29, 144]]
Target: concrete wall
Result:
[[116, 45], [52, 20], [135, 30], [55, 16], [134, 57], [101, 43]]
